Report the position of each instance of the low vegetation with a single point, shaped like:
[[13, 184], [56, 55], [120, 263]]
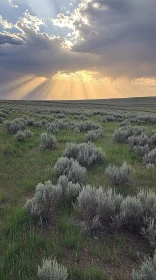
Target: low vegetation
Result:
[[77, 191]]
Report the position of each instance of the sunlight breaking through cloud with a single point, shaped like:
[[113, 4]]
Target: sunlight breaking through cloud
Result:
[[102, 47]]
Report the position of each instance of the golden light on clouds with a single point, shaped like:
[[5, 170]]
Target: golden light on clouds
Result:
[[76, 85], [82, 76]]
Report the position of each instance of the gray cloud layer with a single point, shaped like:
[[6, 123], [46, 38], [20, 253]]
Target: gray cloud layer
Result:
[[122, 33], [115, 37]]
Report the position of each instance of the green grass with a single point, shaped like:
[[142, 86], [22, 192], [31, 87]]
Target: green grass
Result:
[[24, 243]]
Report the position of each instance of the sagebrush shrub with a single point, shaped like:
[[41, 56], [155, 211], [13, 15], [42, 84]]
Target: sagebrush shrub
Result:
[[38, 124], [20, 136], [51, 270], [100, 206], [121, 134], [92, 135], [1, 119], [30, 122], [70, 168], [77, 173], [85, 153], [108, 208], [119, 175], [111, 118], [48, 141], [28, 133], [87, 203], [139, 140], [62, 166], [147, 270], [149, 230], [52, 128], [3, 115], [131, 213], [148, 201], [69, 190], [85, 126], [15, 125], [153, 138], [141, 150], [138, 130], [62, 124], [150, 157], [125, 123], [45, 197], [150, 166]]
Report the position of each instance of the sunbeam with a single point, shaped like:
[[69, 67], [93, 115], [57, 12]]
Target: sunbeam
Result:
[[71, 86]]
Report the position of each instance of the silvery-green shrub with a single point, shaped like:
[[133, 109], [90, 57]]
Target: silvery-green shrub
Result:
[[139, 140], [28, 133], [43, 202], [70, 168], [150, 157], [48, 141], [84, 153], [62, 166], [38, 124], [15, 125], [3, 114], [77, 173], [125, 123], [150, 166], [30, 122], [153, 138], [141, 150], [111, 118], [149, 230], [85, 126], [108, 208], [62, 124], [98, 205], [138, 130], [20, 136], [119, 175], [147, 270], [131, 213], [148, 201], [51, 270], [92, 135], [87, 203], [69, 190], [122, 134], [52, 128], [1, 119]]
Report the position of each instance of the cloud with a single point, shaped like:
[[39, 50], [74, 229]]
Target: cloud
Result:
[[11, 2], [113, 38], [30, 22], [5, 24], [7, 38], [39, 53], [120, 32]]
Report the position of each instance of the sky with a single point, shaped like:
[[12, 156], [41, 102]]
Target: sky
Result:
[[77, 49]]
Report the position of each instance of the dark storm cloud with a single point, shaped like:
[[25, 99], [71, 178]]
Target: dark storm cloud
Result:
[[41, 55], [9, 39], [122, 33], [114, 37]]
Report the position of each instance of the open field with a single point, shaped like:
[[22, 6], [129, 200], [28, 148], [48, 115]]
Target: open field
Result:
[[25, 240]]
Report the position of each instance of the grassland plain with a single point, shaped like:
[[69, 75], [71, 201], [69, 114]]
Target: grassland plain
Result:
[[24, 243]]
